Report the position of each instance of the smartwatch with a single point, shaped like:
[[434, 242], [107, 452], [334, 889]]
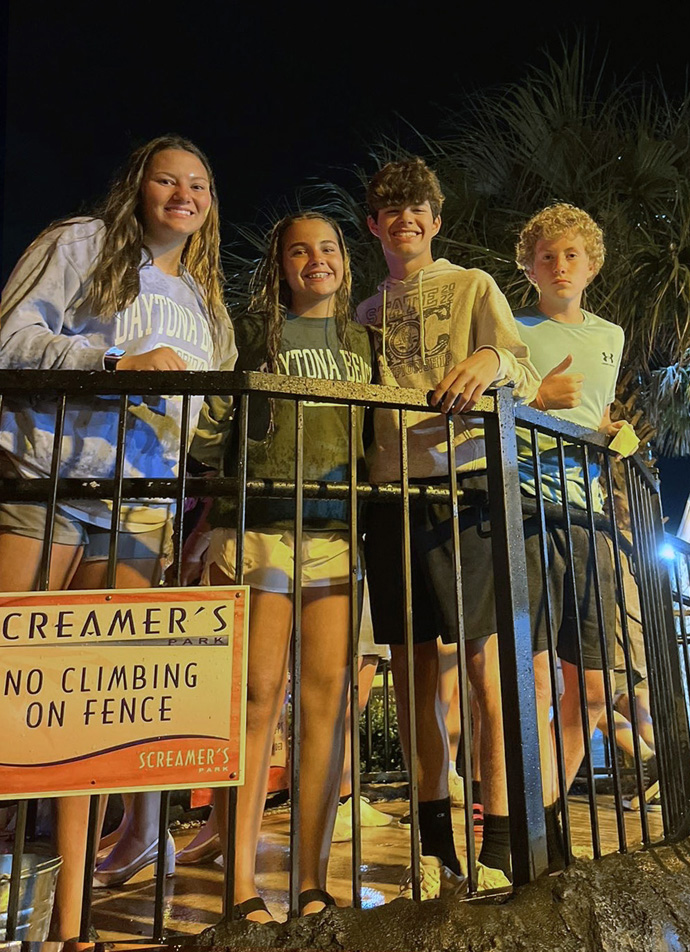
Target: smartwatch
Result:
[[111, 358]]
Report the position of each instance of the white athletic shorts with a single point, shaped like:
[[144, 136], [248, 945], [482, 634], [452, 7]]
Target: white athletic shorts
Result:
[[269, 558]]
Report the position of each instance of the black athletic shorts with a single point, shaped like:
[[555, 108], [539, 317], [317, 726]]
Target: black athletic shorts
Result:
[[433, 572], [563, 598], [433, 579]]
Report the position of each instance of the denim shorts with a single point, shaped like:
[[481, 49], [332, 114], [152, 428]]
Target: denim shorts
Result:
[[29, 519]]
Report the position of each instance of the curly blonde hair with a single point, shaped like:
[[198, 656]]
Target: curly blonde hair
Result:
[[554, 221], [404, 183], [271, 295]]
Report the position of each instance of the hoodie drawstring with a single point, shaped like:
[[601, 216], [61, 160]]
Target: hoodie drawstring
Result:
[[422, 328], [383, 325]]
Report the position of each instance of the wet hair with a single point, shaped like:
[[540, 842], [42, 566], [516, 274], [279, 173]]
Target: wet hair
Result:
[[408, 182], [114, 281], [553, 222], [271, 295]]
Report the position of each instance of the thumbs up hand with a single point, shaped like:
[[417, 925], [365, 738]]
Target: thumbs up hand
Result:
[[560, 390]]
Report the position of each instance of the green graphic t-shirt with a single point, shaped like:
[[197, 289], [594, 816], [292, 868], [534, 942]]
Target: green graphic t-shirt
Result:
[[309, 348]]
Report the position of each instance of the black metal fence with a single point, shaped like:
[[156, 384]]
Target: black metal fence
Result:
[[662, 587]]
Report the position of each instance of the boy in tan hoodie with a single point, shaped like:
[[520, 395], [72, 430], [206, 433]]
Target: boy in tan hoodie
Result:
[[442, 328]]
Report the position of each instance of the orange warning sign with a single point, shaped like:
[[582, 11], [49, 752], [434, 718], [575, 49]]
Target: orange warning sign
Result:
[[122, 690]]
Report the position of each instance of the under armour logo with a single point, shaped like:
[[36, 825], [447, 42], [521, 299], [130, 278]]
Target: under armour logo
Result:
[[608, 358]]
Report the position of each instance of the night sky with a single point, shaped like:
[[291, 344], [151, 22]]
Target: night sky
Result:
[[277, 95]]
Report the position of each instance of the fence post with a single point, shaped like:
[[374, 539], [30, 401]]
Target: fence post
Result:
[[525, 803], [679, 758]]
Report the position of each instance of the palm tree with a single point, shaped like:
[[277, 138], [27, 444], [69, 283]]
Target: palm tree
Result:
[[570, 132]]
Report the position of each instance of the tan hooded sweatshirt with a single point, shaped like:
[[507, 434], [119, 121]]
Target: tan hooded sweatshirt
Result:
[[462, 311]]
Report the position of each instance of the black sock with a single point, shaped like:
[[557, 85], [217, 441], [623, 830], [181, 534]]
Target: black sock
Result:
[[345, 798], [476, 791], [436, 831], [554, 837], [495, 850]]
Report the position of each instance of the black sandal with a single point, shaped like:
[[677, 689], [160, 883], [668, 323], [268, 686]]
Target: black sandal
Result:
[[314, 895], [255, 904]]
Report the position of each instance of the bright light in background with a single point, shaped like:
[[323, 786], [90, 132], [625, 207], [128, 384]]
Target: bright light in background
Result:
[[667, 552]]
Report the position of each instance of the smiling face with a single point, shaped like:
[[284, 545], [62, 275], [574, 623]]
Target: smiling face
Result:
[[312, 265], [175, 197], [561, 270], [405, 233]]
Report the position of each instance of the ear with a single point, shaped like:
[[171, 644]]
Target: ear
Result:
[[436, 225], [373, 227]]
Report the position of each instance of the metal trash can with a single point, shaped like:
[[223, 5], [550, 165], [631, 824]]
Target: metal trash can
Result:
[[36, 894]]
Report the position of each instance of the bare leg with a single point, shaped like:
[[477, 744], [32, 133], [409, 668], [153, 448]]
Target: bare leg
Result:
[[547, 750], [476, 737], [194, 849], [624, 735], [573, 742], [644, 718], [484, 675], [432, 753], [367, 672], [448, 691], [270, 628], [141, 827], [325, 628], [110, 839], [19, 564]]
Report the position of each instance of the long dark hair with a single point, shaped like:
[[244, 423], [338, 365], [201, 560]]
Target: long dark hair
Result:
[[270, 292]]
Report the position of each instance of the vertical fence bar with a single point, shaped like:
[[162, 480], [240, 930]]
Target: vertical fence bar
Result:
[[625, 642], [682, 621], [385, 670], [117, 492], [606, 666], [90, 859], [461, 660], [297, 662], [551, 638], [584, 707], [181, 494], [231, 832], [527, 826], [51, 507], [15, 875], [652, 641], [354, 661], [159, 898], [409, 648], [164, 811], [675, 694]]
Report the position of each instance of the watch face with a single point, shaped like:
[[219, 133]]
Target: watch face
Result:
[[111, 358]]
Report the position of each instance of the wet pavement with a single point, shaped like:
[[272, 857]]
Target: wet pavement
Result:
[[193, 896]]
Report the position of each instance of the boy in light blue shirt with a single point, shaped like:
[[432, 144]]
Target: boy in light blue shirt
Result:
[[578, 354]]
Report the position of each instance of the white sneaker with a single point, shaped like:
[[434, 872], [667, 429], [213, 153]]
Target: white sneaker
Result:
[[490, 878], [369, 816], [342, 831], [456, 788], [435, 880], [651, 796]]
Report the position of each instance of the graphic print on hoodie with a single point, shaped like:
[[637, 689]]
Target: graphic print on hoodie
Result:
[[422, 326]]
